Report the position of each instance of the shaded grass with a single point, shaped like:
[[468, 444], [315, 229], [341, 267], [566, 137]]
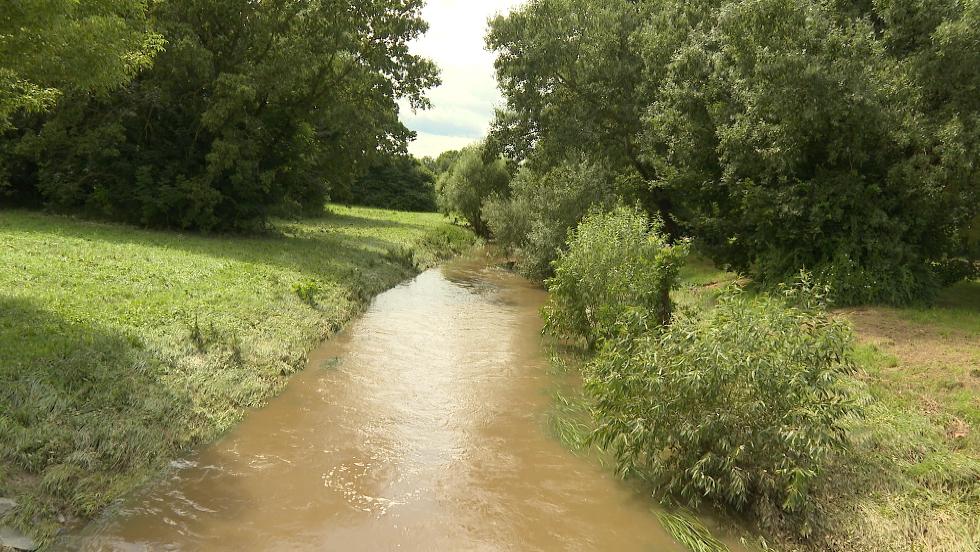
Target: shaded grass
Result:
[[121, 347]]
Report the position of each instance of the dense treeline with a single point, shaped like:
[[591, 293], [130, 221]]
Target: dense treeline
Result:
[[250, 109], [399, 182], [839, 137]]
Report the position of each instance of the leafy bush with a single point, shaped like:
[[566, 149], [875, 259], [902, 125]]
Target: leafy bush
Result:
[[543, 207], [308, 290], [617, 264], [469, 183], [737, 404]]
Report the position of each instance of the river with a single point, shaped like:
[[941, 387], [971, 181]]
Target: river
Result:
[[422, 426]]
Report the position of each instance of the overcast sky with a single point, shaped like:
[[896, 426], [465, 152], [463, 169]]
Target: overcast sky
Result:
[[463, 106]]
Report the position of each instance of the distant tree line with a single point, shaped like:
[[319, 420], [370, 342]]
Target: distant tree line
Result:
[[204, 115], [839, 137]]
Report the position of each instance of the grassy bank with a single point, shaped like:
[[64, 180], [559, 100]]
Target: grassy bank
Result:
[[911, 479], [120, 348]]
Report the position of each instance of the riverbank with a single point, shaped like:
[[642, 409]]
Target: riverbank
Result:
[[120, 348], [911, 479]]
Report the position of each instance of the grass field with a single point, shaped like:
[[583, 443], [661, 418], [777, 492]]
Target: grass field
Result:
[[120, 348], [911, 480]]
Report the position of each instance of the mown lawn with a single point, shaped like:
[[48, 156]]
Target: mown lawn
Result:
[[120, 347]]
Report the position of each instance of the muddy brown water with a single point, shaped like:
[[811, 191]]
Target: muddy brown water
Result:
[[423, 426]]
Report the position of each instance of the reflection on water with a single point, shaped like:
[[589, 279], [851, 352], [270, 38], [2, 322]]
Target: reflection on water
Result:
[[421, 427]]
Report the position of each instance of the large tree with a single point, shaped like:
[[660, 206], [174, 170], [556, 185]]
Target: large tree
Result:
[[254, 108], [575, 84]]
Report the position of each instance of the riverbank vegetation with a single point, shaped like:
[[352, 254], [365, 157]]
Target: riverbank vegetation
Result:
[[837, 137], [121, 348], [818, 377], [906, 474]]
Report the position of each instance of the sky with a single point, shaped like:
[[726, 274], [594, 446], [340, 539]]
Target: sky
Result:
[[462, 107]]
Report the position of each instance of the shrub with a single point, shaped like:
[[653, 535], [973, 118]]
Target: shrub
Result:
[[469, 182], [737, 405], [617, 264], [308, 290], [543, 207]]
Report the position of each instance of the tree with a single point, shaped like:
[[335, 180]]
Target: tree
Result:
[[254, 108], [49, 46], [442, 163], [835, 136], [396, 182], [799, 141], [574, 85], [469, 183]]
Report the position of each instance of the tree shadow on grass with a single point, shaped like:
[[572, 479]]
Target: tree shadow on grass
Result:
[[81, 409]]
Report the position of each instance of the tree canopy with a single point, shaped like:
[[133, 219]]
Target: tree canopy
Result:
[[253, 108], [50, 46], [832, 136]]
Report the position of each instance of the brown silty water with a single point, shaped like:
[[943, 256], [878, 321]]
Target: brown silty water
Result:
[[423, 426]]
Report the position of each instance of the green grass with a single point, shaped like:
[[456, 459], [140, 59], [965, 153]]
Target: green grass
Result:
[[957, 309], [120, 347], [912, 479]]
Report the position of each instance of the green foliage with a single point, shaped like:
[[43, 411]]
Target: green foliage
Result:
[[576, 86], [121, 348], [307, 290], [740, 404], [543, 207], [832, 136], [253, 109], [442, 163], [618, 269], [49, 46], [397, 182], [469, 183], [821, 153]]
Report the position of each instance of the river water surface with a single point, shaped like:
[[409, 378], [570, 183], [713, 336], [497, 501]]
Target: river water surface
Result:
[[423, 426]]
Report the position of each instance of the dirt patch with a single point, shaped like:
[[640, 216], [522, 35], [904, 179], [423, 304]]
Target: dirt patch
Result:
[[950, 357]]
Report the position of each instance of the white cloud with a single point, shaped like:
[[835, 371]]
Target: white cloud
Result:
[[463, 105], [434, 144]]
